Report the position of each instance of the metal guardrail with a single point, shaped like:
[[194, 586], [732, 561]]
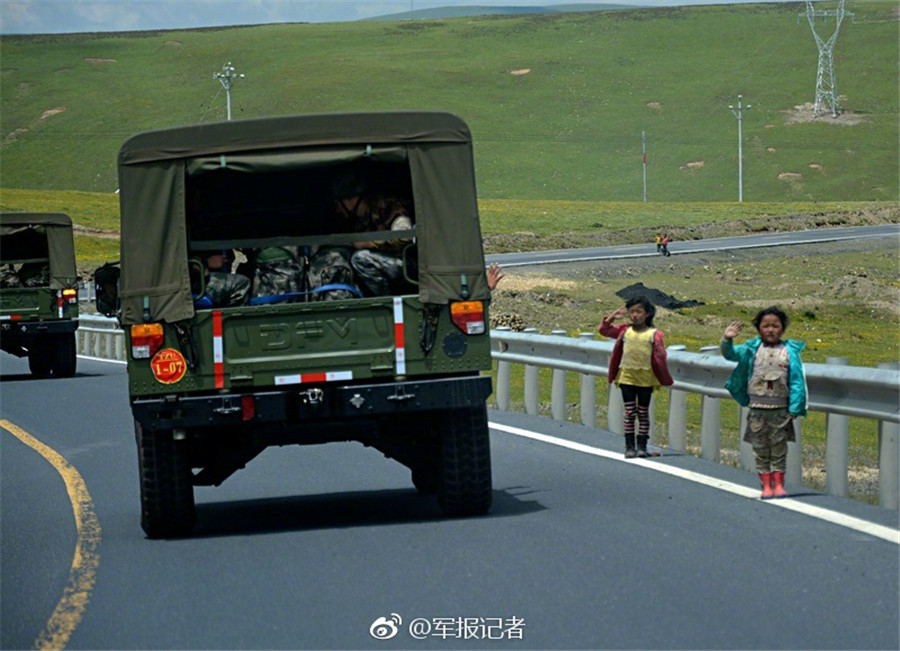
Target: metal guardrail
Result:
[[836, 389], [100, 336]]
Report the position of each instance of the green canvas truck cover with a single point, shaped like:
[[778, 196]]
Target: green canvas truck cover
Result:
[[154, 167], [22, 237]]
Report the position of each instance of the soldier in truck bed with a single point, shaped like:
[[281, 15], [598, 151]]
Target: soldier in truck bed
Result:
[[378, 265], [222, 288]]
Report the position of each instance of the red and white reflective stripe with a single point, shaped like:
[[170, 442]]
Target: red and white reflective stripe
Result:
[[399, 337], [10, 317], [218, 350], [304, 378], [59, 304]]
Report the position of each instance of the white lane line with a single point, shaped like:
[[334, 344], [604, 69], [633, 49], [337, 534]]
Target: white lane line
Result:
[[102, 359], [857, 524]]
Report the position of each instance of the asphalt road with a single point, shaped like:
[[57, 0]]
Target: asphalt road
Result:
[[697, 246], [309, 546]]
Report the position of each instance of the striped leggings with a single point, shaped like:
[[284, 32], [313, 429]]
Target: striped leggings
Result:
[[637, 405]]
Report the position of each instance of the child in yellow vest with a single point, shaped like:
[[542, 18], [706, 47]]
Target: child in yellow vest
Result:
[[637, 366]]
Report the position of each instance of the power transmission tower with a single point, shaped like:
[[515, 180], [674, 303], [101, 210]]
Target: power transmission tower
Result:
[[227, 77], [826, 84]]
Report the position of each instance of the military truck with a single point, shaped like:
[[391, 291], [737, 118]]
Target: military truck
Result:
[[212, 385], [39, 291]]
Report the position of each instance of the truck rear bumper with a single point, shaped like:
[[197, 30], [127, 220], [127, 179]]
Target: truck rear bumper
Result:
[[38, 328], [311, 404]]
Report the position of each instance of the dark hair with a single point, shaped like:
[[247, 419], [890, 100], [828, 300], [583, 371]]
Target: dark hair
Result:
[[645, 303], [771, 310], [351, 184]]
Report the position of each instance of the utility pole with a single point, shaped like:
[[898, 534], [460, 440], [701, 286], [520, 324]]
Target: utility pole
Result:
[[739, 114], [826, 84], [644, 150], [227, 77]]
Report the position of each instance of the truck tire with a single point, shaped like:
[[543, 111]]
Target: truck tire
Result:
[[465, 474], [167, 491], [425, 479], [64, 357], [40, 360]]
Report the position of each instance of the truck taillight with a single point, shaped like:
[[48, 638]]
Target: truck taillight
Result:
[[146, 339], [70, 295], [468, 316], [248, 407]]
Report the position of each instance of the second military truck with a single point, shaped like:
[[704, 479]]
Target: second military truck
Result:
[[39, 291]]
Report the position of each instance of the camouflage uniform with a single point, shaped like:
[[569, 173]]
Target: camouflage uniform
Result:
[[226, 289], [379, 266], [9, 278], [221, 287], [34, 274], [279, 270], [331, 266]]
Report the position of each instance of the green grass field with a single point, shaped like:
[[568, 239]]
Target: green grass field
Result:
[[568, 129]]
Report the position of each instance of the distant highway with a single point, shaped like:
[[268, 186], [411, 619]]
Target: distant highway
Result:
[[815, 236]]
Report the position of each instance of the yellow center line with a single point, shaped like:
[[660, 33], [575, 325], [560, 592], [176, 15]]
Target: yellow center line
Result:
[[83, 573]]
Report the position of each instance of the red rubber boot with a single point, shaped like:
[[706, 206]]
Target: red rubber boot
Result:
[[779, 484], [765, 478]]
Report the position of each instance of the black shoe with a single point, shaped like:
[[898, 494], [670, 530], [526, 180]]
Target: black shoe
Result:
[[642, 446]]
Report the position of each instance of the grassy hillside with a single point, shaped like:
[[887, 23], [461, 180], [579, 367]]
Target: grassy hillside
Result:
[[556, 102]]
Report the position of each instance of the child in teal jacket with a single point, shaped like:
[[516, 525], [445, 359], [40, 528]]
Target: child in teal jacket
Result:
[[769, 379]]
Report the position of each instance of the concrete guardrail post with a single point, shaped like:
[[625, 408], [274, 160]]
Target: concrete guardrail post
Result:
[[120, 346], [711, 424], [889, 457], [837, 445], [677, 414], [794, 472], [501, 391], [748, 461], [532, 383], [558, 388], [615, 411], [588, 392]]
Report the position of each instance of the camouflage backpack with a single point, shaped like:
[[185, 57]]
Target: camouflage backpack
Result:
[[279, 272], [331, 276]]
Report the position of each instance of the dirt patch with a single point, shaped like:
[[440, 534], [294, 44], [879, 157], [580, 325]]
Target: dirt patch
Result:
[[803, 114], [520, 71], [95, 232], [99, 60], [51, 112]]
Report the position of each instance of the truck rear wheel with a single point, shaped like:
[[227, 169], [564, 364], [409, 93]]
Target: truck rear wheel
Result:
[[167, 491], [40, 360], [465, 477], [64, 355]]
